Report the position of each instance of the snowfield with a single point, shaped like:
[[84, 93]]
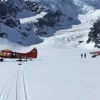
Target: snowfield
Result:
[[59, 73]]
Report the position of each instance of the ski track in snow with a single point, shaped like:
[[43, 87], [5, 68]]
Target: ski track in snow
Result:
[[19, 75], [10, 86], [18, 85], [21, 90], [25, 89], [7, 87]]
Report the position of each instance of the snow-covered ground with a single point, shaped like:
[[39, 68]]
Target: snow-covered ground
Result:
[[59, 73]]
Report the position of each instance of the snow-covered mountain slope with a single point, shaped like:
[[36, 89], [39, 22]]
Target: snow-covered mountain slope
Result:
[[78, 33], [28, 20]]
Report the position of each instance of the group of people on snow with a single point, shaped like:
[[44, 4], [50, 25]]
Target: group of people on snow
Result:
[[83, 55]]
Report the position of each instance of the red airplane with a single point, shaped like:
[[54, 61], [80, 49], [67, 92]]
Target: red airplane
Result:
[[10, 54], [94, 54]]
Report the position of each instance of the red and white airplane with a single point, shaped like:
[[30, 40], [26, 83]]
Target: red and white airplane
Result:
[[94, 54], [11, 54]]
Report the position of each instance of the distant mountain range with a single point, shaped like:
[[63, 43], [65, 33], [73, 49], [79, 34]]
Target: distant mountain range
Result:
[[25, 22]]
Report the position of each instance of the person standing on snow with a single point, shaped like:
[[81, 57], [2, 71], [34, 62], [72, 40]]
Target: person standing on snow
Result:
[[81, 55], [84, 55]]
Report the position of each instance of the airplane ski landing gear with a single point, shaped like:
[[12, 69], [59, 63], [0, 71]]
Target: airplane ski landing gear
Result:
[[1, 59], [93, 56], [19, 60]]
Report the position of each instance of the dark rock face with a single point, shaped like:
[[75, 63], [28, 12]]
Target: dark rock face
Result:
[[12, 22], [8, 14], [7, 10], [3, 11], [3, 35], [32, 5], [51, 21], [94, 34]]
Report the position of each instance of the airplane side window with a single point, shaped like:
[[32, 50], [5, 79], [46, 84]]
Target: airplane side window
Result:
[[8, 53], [13, 55]]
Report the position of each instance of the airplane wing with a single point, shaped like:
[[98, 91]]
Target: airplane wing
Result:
[[94, 54]]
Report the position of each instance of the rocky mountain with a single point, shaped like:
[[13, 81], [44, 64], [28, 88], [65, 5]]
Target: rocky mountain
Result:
[[25, 22]]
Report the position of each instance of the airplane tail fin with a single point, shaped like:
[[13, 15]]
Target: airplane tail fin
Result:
[[32, 53]]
